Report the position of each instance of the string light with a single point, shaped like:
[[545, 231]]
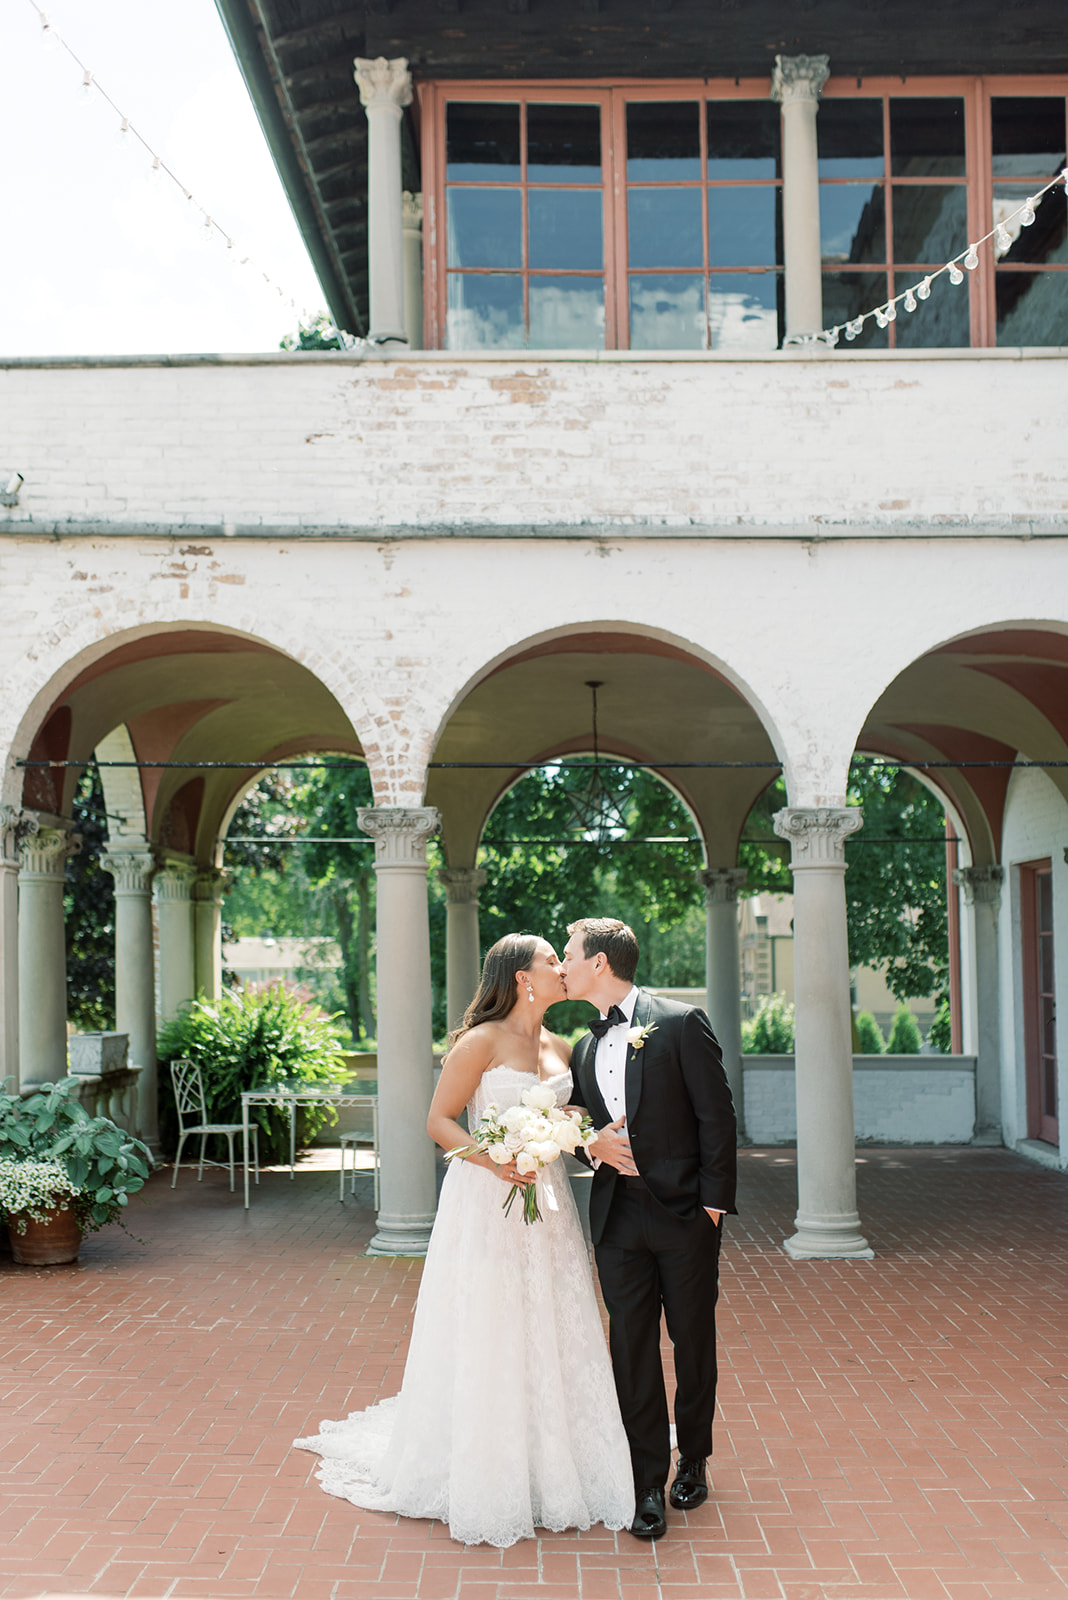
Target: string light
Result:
[[130, 137], [1003, 240]]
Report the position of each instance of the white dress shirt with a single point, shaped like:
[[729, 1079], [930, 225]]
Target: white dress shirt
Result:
[[610, 1060]]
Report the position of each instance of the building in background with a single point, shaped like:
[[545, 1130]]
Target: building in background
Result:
[[600, 428]]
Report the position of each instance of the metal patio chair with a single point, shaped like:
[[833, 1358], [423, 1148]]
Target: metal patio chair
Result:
[[349, 1141], [189, 1098]]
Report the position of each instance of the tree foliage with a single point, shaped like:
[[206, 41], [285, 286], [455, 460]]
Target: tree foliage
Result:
[[905, 1036], [869, 1035], [770, 1032], [896, 882], [89, 913]]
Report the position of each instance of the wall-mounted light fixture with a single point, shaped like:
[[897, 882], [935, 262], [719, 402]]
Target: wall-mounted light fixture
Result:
[[10, 484]]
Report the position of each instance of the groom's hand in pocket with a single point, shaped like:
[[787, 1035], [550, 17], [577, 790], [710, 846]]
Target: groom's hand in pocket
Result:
[[613, 1146]]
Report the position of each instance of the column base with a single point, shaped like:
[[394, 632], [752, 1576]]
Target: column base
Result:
[[401, 1236], [828, 1239]]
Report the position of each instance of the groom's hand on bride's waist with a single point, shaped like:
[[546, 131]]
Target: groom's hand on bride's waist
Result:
[[612, 1146]]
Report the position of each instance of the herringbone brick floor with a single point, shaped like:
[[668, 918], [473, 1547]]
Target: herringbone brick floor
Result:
[[889, 1430]]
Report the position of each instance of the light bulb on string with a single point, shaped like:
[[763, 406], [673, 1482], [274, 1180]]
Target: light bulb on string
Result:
[[85, 98], [881, 318], [923, 290], [910, 300], [1027, 212], [956, 276], [155, 171], [891, 311], [49, 36], [122, 135], [1003, 240], [971, 260]]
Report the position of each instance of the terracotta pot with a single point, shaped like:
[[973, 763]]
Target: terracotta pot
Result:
[[51, 1243]]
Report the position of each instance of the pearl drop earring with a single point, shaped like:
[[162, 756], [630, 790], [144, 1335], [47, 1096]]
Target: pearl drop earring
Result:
[[530, 993]]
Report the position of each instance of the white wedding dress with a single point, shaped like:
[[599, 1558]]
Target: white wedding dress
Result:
[[507, 1417]]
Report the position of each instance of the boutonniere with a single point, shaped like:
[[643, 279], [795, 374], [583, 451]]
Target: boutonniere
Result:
[[636, 1037]]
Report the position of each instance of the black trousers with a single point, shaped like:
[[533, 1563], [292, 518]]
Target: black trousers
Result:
[[650, 1261]]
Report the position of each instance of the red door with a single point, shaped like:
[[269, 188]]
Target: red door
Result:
[[1040, 1032]]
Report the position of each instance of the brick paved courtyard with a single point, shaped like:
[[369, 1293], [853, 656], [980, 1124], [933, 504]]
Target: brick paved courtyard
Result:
[[889, 1430]]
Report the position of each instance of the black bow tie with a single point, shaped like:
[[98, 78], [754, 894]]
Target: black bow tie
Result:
[[612, 1020]]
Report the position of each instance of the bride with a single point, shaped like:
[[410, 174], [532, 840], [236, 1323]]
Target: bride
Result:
[[507, 1417]]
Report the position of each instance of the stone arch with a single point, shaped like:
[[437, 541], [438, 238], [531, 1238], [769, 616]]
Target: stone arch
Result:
[[80, 645]]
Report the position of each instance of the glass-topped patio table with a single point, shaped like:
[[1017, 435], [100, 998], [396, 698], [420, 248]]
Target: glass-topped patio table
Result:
[[289, 1095]]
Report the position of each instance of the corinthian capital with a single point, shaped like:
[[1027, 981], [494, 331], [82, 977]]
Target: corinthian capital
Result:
[[45, 850], [462, 884], [131, 869], [797, 78], [16, 826], [382, 82], [721, 884], [981, 885], [400, 833], [817, 834], [411, 211]]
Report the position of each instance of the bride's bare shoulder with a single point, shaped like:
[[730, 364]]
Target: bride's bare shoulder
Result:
[[558, 1045]]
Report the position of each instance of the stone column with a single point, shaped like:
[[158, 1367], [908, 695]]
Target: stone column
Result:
[[463, 963], [723, 972], [827, 1221], [796, 83], [135, 983], [208, 890], [412, 224], [982, 898], [405, 1042], [385, 89], [174, 907], [43, 952], [15, 827]]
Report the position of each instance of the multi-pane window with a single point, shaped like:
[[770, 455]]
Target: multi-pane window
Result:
[[524, 218], [649, 217], [1027, 140], [893, 207], [704, 225]]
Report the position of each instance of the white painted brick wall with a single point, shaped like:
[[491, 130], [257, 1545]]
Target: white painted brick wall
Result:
[[902, 1100], [297, 441]]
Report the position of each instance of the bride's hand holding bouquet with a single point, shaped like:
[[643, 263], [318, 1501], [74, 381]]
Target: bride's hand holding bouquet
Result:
[[523, 1139]]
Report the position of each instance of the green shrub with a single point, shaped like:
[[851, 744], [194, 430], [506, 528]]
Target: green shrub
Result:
[[905, 1036], [869, 1035], [940, 1034], [245, 1038], [771, 1031]]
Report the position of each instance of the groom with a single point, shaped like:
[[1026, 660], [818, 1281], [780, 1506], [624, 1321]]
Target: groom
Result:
[[650, 1073]]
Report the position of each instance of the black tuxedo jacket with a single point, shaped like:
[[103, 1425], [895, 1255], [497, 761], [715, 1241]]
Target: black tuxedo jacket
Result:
[[680, 1116]]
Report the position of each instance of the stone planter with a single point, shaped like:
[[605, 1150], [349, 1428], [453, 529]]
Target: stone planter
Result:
[[51, 1243]]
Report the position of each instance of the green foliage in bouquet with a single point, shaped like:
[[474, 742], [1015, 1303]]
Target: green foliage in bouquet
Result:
[[103, 1163], [245, 1038]]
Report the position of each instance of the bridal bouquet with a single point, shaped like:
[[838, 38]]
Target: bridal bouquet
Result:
[[532, 1134]]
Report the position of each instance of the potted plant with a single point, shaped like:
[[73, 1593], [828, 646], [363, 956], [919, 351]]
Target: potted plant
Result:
[[63, 1173]]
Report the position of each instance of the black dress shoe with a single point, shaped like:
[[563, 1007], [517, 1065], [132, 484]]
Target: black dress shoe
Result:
[[649, 1520], [690, 1488]]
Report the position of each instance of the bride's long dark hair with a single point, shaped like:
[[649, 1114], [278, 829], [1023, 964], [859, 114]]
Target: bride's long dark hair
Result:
[[497, 991]]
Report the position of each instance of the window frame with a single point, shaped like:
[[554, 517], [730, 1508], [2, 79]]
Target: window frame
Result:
[[613, 96]]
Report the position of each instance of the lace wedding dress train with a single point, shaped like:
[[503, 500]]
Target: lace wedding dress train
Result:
[[507, 1417]]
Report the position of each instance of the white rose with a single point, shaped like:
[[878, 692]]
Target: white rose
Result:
[[499, 1153], [566, 1135], [513, 1142], [524, 1162], [514, 1118], [544, 1151], [541, 1097], [541, 1128]]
